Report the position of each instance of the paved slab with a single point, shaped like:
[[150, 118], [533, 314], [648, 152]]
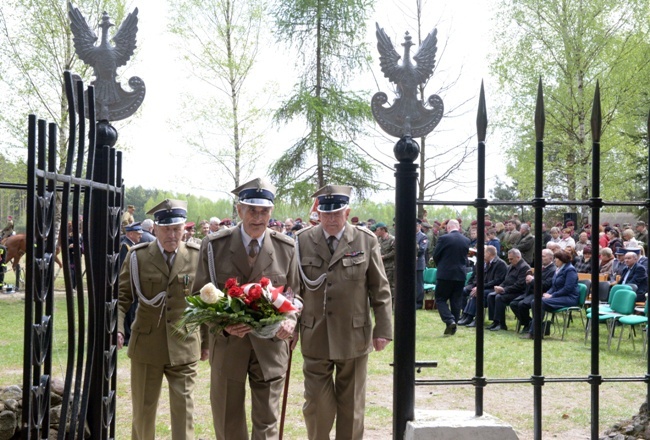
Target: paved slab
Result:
[[457, 425]]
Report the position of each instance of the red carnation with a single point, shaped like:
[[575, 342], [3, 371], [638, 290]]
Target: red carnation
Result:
[[265, 282], [231, 282], [236, 292], [254, 293]]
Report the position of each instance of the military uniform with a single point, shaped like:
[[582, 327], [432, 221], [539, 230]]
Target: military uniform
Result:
[[387, 249], [233, 359], [157, 348], [340, 290]]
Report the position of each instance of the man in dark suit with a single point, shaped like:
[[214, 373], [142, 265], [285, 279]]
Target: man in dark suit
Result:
[[513, 286], [526, 243], [423, 244], [495, 273], [523, 303], [635, 273], [248, 252], [450, 256]]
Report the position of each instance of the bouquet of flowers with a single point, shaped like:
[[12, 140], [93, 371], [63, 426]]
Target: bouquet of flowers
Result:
[[259, 305]]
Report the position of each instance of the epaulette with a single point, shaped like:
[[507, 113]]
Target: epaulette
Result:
[[307, 228], [366, 230], [283, 238], [139, 246], [220, 234], [193, 245]]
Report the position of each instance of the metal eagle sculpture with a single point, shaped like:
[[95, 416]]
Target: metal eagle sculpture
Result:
[[408, 116], [112, 103]]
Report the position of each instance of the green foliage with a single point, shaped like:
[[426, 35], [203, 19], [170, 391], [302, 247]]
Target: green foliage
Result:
[[328, 36], [571, 45]]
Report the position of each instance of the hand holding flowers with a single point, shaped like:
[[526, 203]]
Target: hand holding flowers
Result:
[[256, 307]]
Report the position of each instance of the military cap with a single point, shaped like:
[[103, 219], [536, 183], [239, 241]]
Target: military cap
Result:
[[474, 223], [354, 220], [373, 228], [620, 251], [225, 222], [586, 250], [134, 227], [189, 226], [257, 192], [570, 223], [130, 207], [381, 225], [488, 223], [169, 212], [333, 198]]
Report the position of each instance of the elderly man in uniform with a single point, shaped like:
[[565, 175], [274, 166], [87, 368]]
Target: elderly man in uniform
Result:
[[160, 274], [248, 252], [131, 237], [343, 280], [387, 248]]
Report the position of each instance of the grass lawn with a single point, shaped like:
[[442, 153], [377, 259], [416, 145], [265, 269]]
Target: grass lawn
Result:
[[566, 406]]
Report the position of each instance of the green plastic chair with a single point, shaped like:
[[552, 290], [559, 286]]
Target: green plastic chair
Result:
[[567, 311], [604, 308], [622, 303], [430, 275], [633, 320]]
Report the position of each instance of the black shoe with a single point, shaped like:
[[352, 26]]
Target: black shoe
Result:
[[491, 326], [451, 329], [525, 329], [473, 323], [466, 319], [498, 327]]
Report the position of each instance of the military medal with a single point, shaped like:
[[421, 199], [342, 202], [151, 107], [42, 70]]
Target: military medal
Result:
[[186, 283]]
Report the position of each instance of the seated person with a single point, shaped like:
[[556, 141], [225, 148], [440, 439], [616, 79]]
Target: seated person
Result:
[[583, 264], [495, 273], [513, 285], [521, 305], [635, 273], [606, 265], [492, 240], [564, 290]]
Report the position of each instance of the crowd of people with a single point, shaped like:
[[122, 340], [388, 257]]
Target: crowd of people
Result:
[[341, 272]]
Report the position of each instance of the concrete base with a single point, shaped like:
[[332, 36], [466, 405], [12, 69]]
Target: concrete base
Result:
[[457, 425]]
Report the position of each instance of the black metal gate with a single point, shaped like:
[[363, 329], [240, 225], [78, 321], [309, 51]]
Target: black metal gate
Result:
[[90, 193], [405, 316]]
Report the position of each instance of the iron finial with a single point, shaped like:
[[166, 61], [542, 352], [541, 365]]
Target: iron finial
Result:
[[113, 103], [596, 116], [540, 116], [481, 116], [407, 116]]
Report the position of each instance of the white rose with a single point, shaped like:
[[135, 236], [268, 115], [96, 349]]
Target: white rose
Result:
[[210, 294]]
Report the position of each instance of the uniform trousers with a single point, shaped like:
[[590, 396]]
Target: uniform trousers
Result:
[[228, 401], [146, 381], [335, 389]]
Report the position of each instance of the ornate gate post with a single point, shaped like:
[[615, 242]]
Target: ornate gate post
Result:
[[406, 119]]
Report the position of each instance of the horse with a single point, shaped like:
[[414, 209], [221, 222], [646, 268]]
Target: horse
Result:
[[17, 246]]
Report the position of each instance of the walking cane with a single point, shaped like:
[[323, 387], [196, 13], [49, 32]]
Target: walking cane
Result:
[[285, 394]]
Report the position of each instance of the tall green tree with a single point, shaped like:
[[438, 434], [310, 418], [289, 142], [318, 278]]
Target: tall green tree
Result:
[[329, 37], [36, 47], [220, 40], [571, 45]]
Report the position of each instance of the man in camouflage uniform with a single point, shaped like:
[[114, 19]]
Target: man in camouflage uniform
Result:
[[387, 249]]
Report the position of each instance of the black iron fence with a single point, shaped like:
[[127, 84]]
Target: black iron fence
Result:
[[88, 195], [404, 409]]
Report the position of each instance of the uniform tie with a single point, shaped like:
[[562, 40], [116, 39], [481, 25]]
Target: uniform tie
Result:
[[170, 259], [253, 251], [331, 243]]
